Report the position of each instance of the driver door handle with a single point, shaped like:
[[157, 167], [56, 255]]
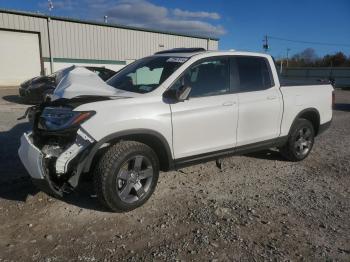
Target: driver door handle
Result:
[[271, 97], [228, 103]]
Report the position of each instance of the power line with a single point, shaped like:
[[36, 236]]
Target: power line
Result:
[[307, 42]]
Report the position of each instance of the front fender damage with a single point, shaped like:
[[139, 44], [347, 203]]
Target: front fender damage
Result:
[[63, 164], [55, 159], [82, 141]]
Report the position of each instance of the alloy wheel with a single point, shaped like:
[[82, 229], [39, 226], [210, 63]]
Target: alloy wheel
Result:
[[134, 179], [303, 141]]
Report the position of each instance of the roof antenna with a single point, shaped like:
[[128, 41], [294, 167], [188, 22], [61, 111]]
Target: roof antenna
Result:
[[50, 4]]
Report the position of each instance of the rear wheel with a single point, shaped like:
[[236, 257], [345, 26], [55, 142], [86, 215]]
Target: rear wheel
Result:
[[126, 176], [300, 141]]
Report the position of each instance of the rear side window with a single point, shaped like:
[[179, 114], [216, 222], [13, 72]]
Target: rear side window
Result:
[[254, 73]]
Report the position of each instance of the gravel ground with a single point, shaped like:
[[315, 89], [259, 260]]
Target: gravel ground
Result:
[[258, 207]]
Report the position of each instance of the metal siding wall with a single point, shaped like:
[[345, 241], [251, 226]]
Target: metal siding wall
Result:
[[76, 40], [27, 23], [86, 41], [213, 45]]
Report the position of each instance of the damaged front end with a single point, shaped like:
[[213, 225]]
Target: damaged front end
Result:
[[54, 151]]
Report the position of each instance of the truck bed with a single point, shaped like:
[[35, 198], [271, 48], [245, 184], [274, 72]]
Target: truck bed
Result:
[[297, 81]]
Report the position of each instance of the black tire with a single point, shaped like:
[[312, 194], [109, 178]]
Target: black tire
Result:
[[110, 183], [300, 141]]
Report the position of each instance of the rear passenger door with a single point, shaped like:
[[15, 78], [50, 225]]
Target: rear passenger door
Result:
[[207, 121], [260, 100]]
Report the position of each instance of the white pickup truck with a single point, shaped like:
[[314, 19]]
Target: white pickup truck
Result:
[[166, 111]]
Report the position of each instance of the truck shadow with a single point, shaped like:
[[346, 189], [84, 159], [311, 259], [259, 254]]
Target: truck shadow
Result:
[[84, 197], [268, 154], [16, 185], [15, 182], [15, 99], [342, 107]]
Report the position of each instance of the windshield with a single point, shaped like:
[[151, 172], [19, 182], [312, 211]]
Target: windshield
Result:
[[146, 74]]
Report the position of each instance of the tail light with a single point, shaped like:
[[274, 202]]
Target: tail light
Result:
[[333, 100]]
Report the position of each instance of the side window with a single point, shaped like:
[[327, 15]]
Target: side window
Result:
[[254, 73], [208, 78]]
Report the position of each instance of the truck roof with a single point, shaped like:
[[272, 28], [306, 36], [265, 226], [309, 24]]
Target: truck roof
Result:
[[184, 53]]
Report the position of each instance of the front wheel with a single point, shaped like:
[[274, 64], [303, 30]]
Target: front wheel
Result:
[[126, 176], [300, 141]]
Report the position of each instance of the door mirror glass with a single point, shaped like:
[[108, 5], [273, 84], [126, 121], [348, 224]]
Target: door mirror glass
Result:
[[179, 95], [183, 93]]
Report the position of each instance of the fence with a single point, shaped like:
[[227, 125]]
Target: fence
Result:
[[340, 75]]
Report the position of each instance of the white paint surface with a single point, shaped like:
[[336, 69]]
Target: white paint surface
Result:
[[207, 124], [81, 81], [19, 57], [58, 66]]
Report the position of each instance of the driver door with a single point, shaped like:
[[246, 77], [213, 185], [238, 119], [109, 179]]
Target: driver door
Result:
[[207, 121]]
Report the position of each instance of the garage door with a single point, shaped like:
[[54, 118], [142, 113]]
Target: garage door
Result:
[[19, 57]]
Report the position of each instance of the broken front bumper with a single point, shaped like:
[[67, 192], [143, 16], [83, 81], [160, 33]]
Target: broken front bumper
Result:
[[31, 157], [67, 165]]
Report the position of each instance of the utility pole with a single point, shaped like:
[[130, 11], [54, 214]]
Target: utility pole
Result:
[[265, 43], [288, 49], [281, 66], [50, 6]]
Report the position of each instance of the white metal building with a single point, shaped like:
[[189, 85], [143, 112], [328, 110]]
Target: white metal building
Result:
[[32, 44]]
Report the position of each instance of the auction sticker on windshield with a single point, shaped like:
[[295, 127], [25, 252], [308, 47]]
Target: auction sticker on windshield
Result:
[[177, 59]]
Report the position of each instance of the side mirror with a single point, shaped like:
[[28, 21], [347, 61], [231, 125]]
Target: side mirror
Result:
[[179, 95], [183, 93]]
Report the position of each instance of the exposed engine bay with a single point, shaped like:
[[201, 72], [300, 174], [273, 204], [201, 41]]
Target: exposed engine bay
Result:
[[56, 132]]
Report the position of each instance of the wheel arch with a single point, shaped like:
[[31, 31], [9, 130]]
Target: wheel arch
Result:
[[151, 138], [310, 114]]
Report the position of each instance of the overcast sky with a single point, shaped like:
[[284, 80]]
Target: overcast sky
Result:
[[239, 24]]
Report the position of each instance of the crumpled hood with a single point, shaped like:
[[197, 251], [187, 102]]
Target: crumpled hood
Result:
[[82, 82]]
